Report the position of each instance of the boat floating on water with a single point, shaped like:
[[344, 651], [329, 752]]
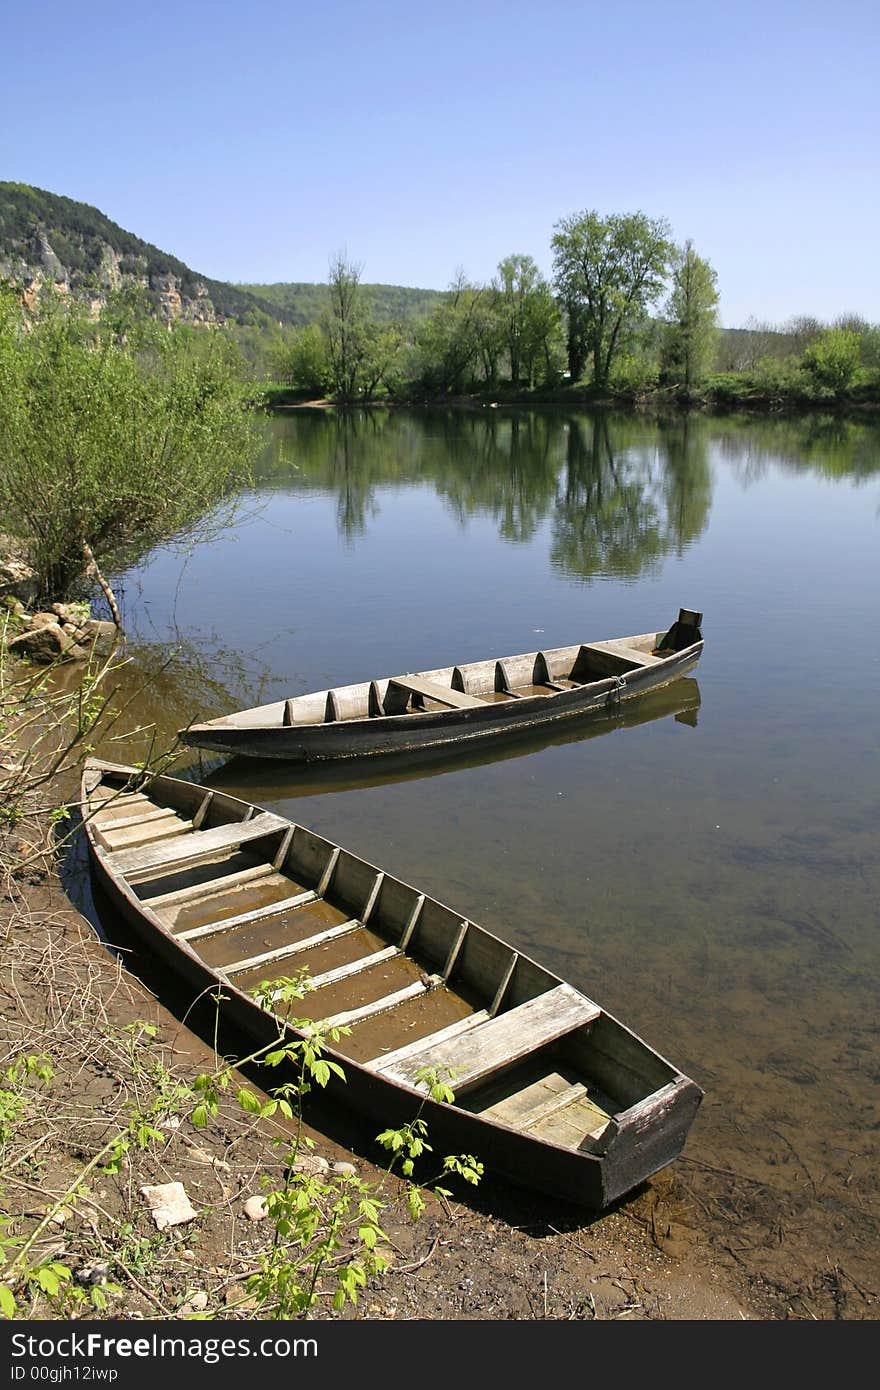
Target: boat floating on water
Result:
[[456, 706], [550, 1090]]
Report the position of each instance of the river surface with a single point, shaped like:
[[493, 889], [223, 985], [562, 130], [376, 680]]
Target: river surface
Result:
[[708, 867]]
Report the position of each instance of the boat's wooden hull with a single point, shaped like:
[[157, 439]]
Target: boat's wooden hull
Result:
[[264, 779], [276, 730], [644, 1136]]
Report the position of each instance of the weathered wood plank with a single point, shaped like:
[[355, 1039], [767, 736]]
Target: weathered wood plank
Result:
[[504, 1039], [431, 690], [354, 967], [123, 822], [213, 888], [293, 948], [349, 1017], [532, 1099], [538, 1113], [244, 919], [154, 832], [622, 650], [452, 1030], [129, 863]]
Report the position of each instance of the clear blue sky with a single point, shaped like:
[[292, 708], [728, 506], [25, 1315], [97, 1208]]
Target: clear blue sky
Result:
[[255, 140]]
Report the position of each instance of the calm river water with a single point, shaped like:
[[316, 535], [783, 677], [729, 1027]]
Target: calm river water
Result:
[[708, 870]]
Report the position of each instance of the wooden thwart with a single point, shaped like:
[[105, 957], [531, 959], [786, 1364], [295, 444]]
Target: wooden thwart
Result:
[[144, 818], [622, 650], [354, 967], [431, 690], [141, 834], [504, 1039], [199, 844]]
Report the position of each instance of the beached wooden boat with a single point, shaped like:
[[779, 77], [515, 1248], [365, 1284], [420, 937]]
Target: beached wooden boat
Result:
[[457, 705], [550, 1090]]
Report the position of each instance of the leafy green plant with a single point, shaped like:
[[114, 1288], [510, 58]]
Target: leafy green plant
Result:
[[833, 359]]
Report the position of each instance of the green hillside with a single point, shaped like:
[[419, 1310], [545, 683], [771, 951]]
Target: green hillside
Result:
[[300, 303], [45, 234]]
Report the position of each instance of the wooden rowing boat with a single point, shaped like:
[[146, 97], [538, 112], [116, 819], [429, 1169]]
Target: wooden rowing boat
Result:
[[456, 705], [261, 779], [550, 1090]]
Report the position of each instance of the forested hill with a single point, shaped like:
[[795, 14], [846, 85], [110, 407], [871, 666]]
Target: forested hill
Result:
[[300, 303], [47, 238]]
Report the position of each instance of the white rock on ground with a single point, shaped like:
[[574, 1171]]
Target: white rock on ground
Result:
[[169, 1205]]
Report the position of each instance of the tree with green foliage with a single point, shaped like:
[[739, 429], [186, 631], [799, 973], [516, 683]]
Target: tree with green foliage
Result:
[[528, 317], [346, 329], [301, 359], [115, 436], [452, 337], [607, 271], [692, 319], [832, 360]]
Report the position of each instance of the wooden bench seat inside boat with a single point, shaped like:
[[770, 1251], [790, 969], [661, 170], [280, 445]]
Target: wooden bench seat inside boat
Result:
[[152, 860], [431, 690], [469, 1057], [620, 649]]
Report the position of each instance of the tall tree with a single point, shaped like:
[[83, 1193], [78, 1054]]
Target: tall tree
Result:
[[607, 270], [527, 313], [346, 328], [692, 318], [452, 339]]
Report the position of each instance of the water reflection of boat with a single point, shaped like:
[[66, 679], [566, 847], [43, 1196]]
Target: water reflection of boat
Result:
[[550, 1091], [453, 706], [267, 780]]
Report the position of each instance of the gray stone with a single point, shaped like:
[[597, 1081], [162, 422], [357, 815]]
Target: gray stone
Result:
[[47, 644]]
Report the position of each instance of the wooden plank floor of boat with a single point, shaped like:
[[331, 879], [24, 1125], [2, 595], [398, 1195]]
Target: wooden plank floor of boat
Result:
[[242, 915], [252, 922]]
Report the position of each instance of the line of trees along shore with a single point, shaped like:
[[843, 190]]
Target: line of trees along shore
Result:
[[627, 313]]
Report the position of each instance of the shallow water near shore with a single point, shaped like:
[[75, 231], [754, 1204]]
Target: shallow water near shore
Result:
[[705, 866]]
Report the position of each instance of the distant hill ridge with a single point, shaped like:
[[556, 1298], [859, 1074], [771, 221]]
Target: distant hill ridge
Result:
[[47, 239], [302, 302]]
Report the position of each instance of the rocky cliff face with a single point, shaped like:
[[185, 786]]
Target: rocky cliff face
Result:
[[37, 267], [50, 242]]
